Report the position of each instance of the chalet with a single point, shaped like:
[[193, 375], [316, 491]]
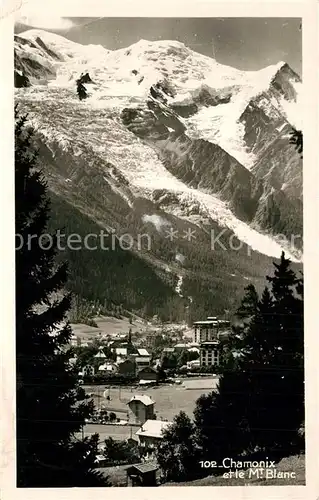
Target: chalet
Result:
[[195, 363], [147, 375], [167, 351], [121, 354], [100, 355], [181, 347], [151, 432], [87, 371], [142, 358], [108, 368], [141, 408], [142, 474]]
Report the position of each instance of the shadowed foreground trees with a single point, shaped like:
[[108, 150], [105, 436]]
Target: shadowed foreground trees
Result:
[[258, 408], [51, 406]]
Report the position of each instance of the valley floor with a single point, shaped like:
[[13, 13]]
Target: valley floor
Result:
[[169, 399]]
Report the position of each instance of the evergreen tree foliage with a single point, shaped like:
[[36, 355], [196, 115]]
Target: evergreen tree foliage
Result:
[[249, 303], [259, 405], [51, 406], [176, 454], [296, 138], [182, 358]]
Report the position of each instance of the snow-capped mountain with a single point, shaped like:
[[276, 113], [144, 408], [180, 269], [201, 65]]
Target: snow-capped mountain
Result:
[[167, 132]]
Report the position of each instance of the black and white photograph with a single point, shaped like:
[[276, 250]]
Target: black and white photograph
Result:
[[159, 281]]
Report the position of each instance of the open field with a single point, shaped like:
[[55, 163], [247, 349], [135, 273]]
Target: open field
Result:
[[169, 399], [294, 464], [116, 475], [119, 432], [107, 325]]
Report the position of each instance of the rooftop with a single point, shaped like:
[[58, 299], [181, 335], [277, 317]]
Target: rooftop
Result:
[[121, 351], [206, 322], [210, 342], [143, 352], [212, 322], [100, 354], [146, 400], [140, 359], [153, 428], [107, 367]]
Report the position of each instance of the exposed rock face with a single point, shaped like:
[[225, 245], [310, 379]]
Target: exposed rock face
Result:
[[21, 80], [85, 78]]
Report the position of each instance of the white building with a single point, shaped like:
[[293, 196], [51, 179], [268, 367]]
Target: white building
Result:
[[142, 358], [87, 370], [108, 368], [151, 432], [121, 354], [141, 409]]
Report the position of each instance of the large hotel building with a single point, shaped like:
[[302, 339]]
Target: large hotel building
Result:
[[208, 334]]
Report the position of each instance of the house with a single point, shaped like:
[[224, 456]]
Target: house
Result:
[[193, 364], [142, 358], [87, 371], [100, 354], [151, 432], [147, 375], [121, 354], [108, 368], [127, 350], [126, 367], [180, 347], [141, 408], [168, 350], [142, 474]]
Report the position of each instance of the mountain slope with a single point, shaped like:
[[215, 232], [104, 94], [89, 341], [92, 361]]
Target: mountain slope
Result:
[[170, 139]]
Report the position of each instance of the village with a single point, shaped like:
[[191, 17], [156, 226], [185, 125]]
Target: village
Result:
[[139, 381]]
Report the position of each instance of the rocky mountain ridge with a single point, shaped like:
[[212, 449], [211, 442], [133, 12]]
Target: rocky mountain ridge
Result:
[[168, 138]]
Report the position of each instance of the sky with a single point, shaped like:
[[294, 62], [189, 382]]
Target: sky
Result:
[[244, 43]]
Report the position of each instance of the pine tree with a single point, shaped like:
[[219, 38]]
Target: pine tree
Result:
[[249, 304], [177, 454], [51, 406], [244, 315]]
